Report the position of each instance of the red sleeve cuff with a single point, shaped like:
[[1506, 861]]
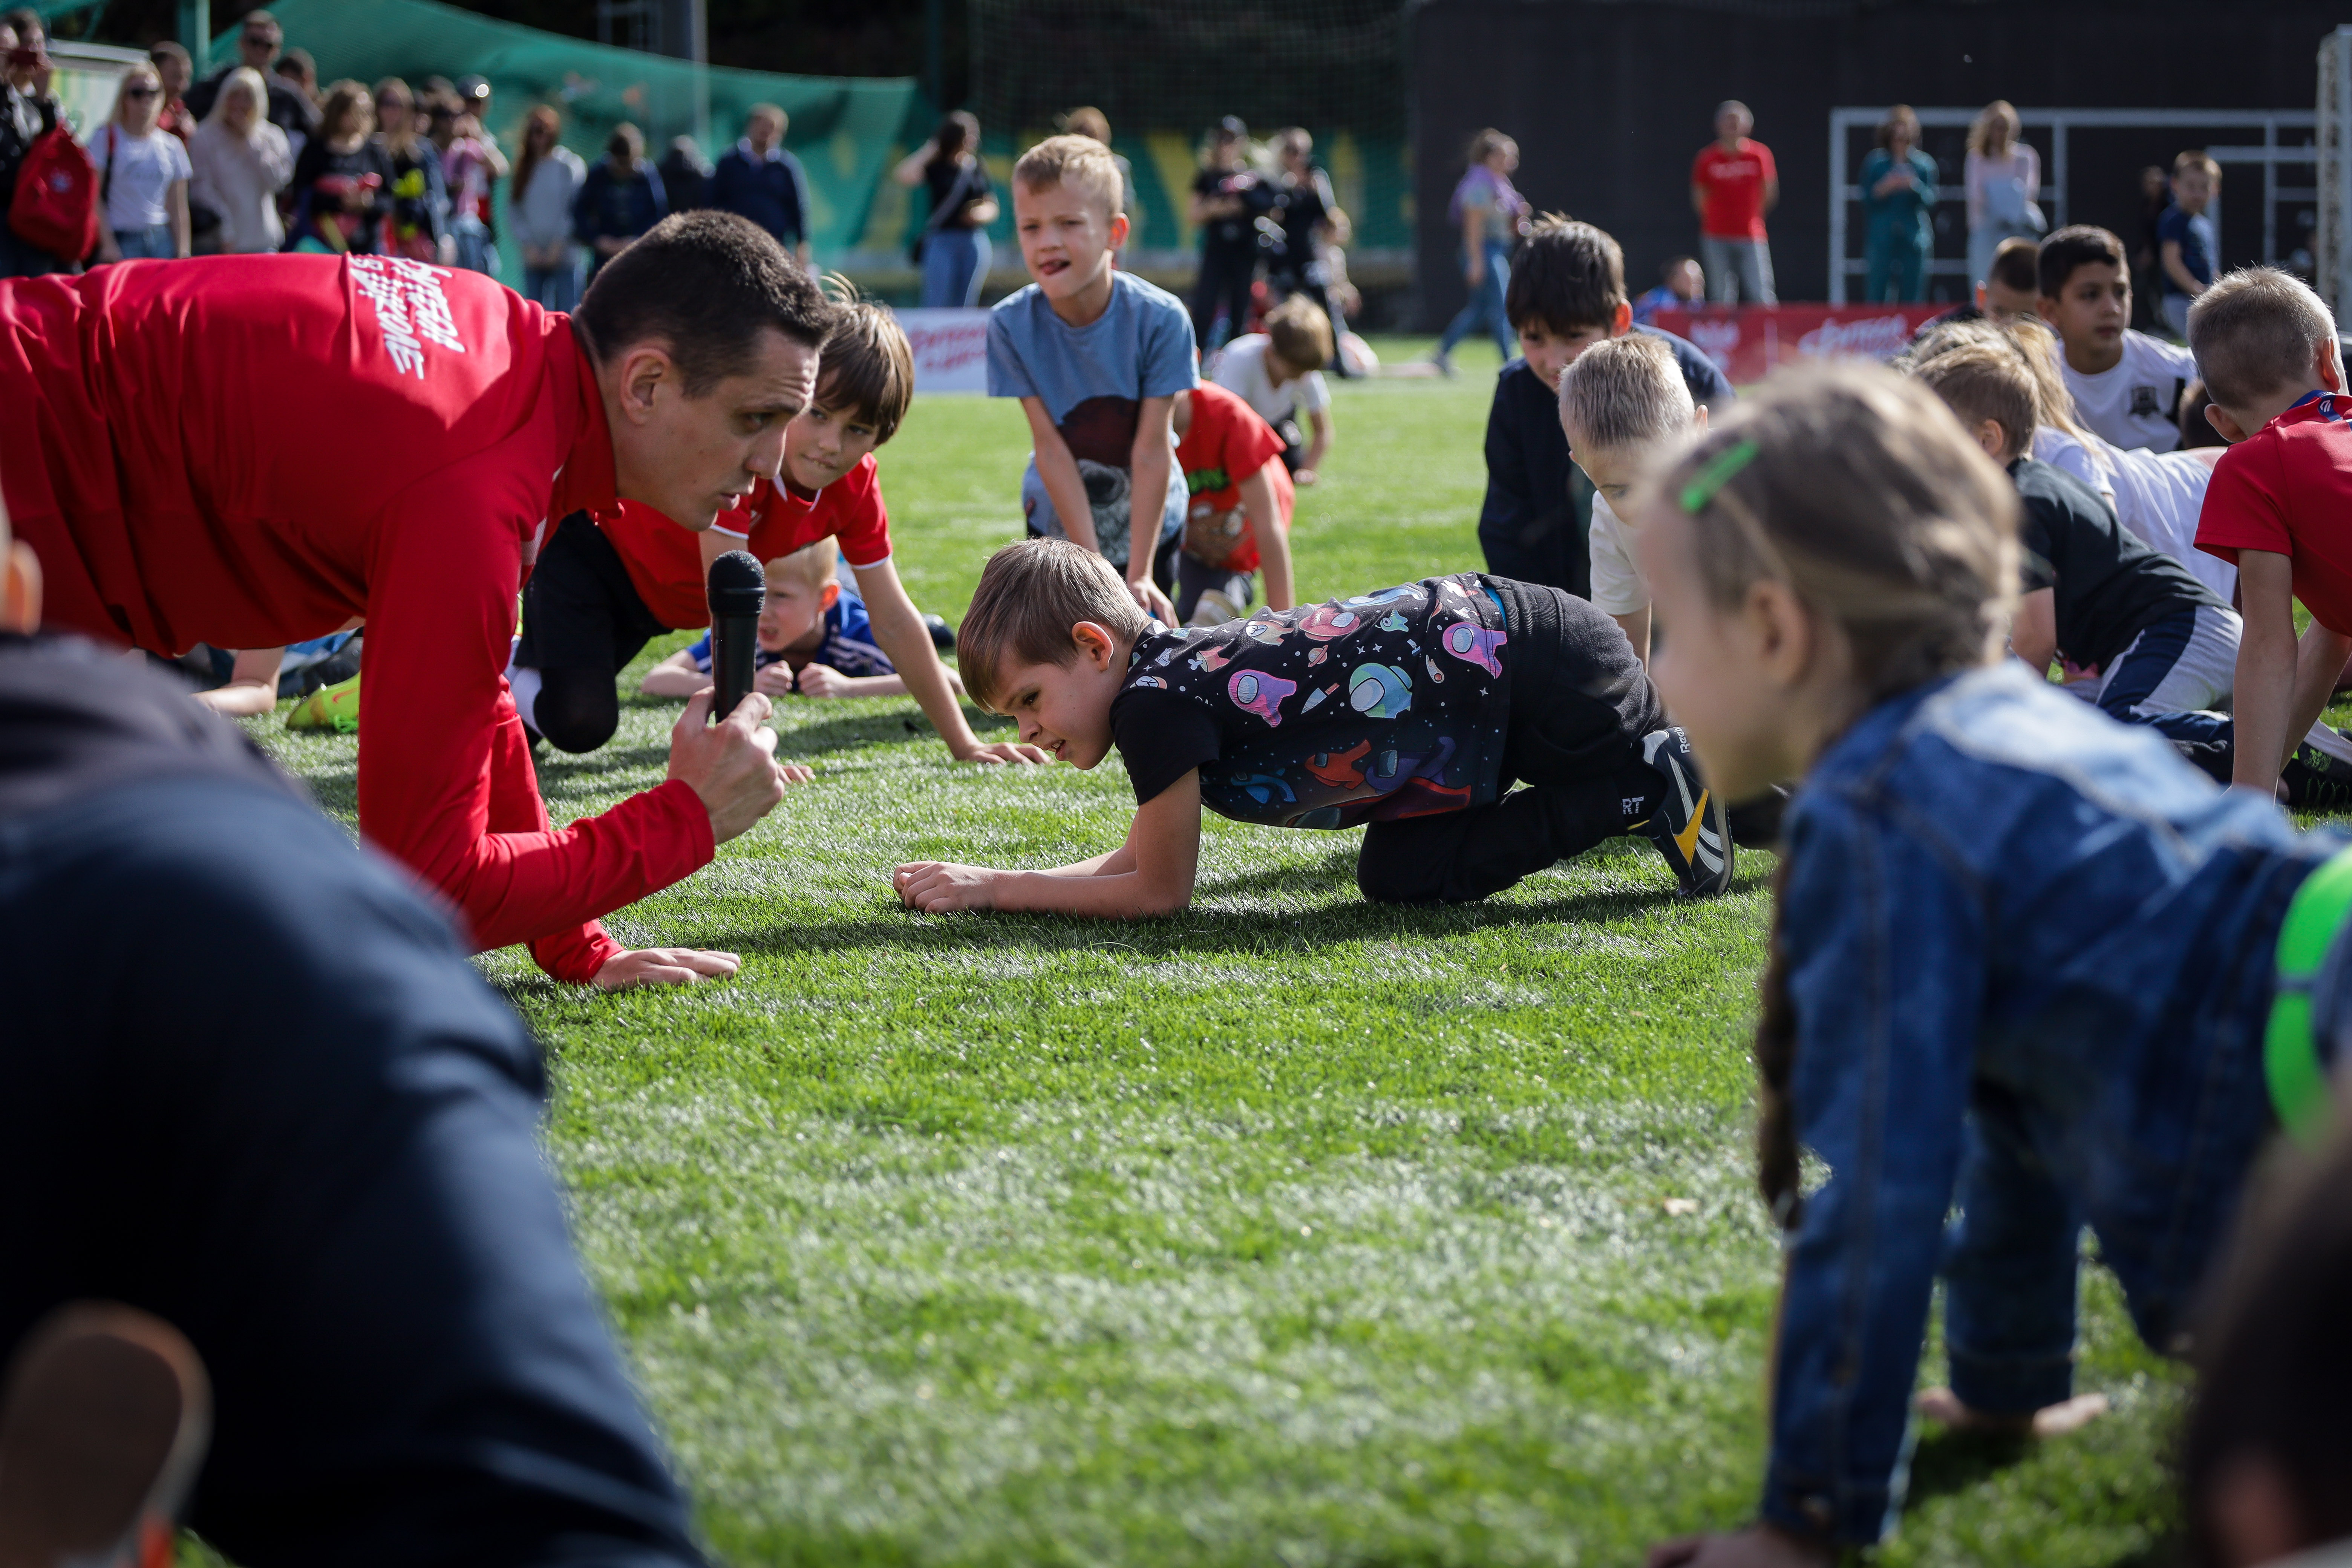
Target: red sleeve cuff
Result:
[[673, 830]]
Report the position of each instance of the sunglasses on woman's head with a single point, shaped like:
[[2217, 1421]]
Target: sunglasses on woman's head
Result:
[[140, 91]]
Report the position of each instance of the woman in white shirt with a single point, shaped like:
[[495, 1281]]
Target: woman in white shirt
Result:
[[2004, 185], [547, 176], [241, 162], [144, 173]]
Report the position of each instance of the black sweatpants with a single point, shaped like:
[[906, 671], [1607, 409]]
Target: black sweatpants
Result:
[[1581, 703], [582, 621], [1226, 274]]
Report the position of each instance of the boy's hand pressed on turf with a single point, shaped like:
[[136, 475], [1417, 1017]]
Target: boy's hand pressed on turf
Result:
[[936, 887], [731, 764], [996, 751], [822, 680], [775, 680]]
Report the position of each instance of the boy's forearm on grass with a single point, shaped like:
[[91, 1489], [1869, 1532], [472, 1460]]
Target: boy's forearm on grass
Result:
[[1149, 463], [670, 679], [2319, 665], [2263, 694], [1151, 874], [1318, 439]]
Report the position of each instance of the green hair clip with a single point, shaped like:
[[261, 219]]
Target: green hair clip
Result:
[[1719, 472]]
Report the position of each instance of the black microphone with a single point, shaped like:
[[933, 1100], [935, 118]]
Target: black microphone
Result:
[[738, 589]]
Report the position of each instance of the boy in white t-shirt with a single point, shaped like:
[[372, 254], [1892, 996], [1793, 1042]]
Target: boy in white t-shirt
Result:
[[1622, 401], [2126, 384], [1279, 373]]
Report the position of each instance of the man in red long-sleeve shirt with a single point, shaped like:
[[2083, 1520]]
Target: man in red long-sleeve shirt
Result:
[[248, 451]]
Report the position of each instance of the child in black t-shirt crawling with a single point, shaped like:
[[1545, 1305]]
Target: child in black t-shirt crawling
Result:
[[1411, 710]]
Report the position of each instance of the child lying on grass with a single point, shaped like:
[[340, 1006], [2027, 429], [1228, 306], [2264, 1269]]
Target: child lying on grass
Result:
[[815, 640], [1412, 710], [2023, 957]]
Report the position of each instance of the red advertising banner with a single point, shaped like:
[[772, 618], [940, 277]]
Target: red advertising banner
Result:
[[1747, 341]]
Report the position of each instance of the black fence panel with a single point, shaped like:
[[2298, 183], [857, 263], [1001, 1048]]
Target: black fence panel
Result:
[[1611, 99]]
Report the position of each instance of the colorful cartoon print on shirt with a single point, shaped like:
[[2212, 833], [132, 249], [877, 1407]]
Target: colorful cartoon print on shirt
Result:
[[1254, 693], [1408, 719], [1378, 692], [1475, 645]]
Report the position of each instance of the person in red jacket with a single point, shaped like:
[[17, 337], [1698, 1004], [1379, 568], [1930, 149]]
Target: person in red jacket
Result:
[[195, 453]]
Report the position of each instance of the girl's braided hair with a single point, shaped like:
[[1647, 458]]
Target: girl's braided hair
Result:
[[1859, 492]]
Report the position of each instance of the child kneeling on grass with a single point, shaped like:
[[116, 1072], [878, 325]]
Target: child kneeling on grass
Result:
[[2024, 956], [1240, 508], [1411, 710], [815, 640]]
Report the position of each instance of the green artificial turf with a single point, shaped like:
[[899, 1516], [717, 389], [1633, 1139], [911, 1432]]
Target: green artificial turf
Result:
[[1284, 1231]]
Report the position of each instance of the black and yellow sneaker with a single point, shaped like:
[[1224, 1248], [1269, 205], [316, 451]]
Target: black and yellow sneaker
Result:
[[2317, 781], [1689, 827]]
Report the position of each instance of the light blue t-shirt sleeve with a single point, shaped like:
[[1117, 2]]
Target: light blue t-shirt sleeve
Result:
[[1008, 373], [1170, 363]]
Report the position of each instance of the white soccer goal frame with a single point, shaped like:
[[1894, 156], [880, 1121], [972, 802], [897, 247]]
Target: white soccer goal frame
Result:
[[2275, 151]]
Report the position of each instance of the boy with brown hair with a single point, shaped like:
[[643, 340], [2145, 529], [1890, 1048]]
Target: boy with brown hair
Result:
[[605, 586], [1567, 292], [2277, 503], [2126, 384], [1097, 356], [1279, 374], [1412, 710]]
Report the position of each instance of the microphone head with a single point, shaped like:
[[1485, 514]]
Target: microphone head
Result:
[[737, 586]]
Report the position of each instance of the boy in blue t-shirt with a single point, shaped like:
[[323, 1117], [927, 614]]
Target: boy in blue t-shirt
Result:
[[2186, 244], [1097, 357], [815, 640]]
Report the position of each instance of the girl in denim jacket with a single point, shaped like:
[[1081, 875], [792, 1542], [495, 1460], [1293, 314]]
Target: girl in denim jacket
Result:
[[2022, 957]]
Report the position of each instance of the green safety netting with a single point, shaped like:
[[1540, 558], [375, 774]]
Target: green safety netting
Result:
[[843, 128]]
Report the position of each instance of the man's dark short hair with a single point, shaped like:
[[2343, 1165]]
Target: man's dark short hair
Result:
[[2077, 244], [1569, 276], [702, 284]]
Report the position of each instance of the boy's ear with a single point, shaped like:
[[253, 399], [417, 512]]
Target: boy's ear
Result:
[[20, 585], [2327, 364], [1118, 228], [2226, 427], [1095, 644], [830, 596], [1622, 322], [1698, 418]]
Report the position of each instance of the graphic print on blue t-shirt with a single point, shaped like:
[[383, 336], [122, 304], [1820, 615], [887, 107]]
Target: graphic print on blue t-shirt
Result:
[[1093, 380], [1389, 705], [848, 644]]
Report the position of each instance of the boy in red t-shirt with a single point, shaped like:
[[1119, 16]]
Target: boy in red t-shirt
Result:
[[602, 588], [1734, 183], [1239, 508], [2280, 503]]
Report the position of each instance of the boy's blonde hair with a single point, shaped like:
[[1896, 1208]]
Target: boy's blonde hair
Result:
[[2256, 331], [1030, 595], [1625, 392], [812, 565], [1858, 490], [1987, 381], [1300, 332], [1079, 161], [2197, 161], [866, 367]]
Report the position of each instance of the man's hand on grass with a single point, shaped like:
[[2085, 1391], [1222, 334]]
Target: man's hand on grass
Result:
[[936, 887], [994, 751], [1760, 1545], [665, 966], [731, 764]]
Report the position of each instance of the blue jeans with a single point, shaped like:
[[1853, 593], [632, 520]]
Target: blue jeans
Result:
[[1484, 308], [1898, 269], [475, 252], [2030, 954], [554, 288], [154, 243], [955, 264]]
